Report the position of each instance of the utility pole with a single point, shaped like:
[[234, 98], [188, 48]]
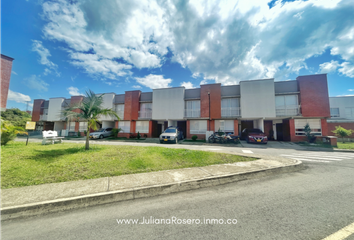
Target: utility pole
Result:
[[28, 102]]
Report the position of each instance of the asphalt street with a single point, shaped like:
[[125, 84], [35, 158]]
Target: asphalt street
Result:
[[310, 204]]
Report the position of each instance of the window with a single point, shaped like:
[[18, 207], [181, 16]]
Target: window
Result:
[[146, 107], [230, 107], [315, 125], [142, 126], [334, 112], [287, 105], [349, 112], [72, 126], [83, 126], [192, 108], [120, 110], [198, 127], [226, 126], [125, 126], [145, 110]]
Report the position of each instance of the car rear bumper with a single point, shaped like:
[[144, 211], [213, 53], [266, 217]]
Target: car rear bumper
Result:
[[252, 140]]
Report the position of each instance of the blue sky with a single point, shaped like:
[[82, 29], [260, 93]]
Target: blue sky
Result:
[[63, 48]]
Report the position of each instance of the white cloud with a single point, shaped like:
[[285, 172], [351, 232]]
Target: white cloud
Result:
[[187, 85], [328, 67], [18, 97], [73, 91], [35, 82], [13, 72], [347, 69], [44, 53], [154, 81], [351, 90], [226, 41], [137, 86]]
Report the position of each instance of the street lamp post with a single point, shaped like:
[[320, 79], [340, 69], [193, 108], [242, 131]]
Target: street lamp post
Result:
[[209, 112]]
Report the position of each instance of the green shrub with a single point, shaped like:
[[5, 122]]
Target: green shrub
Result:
[[194, 137], [85, 132], [342, 132], [78, 134], [310, 137], [115, 132], [220, 133], [138, 136], [9, 132]]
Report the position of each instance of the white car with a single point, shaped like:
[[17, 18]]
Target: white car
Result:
[[101, 133]]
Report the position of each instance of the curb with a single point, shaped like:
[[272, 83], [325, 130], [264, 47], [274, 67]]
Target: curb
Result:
[[64, 204]]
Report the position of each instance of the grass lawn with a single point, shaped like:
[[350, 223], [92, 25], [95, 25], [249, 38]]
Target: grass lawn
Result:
[[35, 164], [347, 145]]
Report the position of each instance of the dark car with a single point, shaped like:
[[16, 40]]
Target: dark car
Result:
[[254, 135], [171, 134]]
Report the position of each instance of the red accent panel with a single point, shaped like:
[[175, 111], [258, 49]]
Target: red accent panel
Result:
[[314, 98], [149, 134], [215, 100], [77, 126], [132, 105], [75, 100], [332, 126], [6, 66], [132, 126], [37, 104], [324, 127]]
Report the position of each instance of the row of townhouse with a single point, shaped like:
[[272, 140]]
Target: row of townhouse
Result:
[[280, 109]]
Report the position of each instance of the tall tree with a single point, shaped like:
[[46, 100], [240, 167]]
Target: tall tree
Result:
[[89, 110]]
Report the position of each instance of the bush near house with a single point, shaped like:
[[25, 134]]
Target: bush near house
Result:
[[9, 131], [115, 132], [342, 132], [194, 137]]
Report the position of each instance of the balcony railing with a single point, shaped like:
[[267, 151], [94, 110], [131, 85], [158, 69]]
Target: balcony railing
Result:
[[231, 112], [43, 117], [145, 114], [192, 113], [288, 111]]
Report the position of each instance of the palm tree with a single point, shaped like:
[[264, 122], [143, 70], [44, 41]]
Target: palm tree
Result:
[[89, 110]]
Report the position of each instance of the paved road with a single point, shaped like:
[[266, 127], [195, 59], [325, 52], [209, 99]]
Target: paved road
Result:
[[310, 204]]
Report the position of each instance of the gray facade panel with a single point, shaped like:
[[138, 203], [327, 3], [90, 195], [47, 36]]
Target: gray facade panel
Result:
[[192, 93], [286, 87], [230, 91], [119, 98], [257, 99], [146, 97]]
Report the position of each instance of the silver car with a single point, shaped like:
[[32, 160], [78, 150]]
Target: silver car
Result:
[[171, 134], [101, 133]]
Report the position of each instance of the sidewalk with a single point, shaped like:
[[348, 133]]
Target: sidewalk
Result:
[[56, 197]]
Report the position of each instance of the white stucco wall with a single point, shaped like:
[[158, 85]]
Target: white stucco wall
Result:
[[107, 103], [341, 103], [257, 98], [54, 109], [168, 103]]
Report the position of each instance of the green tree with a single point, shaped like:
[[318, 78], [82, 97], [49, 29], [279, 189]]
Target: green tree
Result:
[[16, 117], [9, 131], [89, 110], [308, 134], [342, 132]]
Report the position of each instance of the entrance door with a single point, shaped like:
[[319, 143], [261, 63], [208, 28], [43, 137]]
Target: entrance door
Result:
[[183, 126], [279, 127], [246, 124]]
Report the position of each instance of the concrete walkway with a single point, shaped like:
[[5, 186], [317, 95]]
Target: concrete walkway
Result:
[[55, 197]]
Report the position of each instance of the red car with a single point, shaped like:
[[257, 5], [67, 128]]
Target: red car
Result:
[[254, 136]]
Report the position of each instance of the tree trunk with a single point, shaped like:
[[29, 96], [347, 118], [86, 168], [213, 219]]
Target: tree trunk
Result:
[[87, 146]]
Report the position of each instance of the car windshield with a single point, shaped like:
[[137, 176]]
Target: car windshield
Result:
[[100, 130], [255, 131], [170, 130]]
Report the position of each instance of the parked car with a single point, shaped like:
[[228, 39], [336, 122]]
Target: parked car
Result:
[[101, 133], [171, 134], [254, 135]]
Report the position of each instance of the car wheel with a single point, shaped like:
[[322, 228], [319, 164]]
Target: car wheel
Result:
[[101, 136]]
